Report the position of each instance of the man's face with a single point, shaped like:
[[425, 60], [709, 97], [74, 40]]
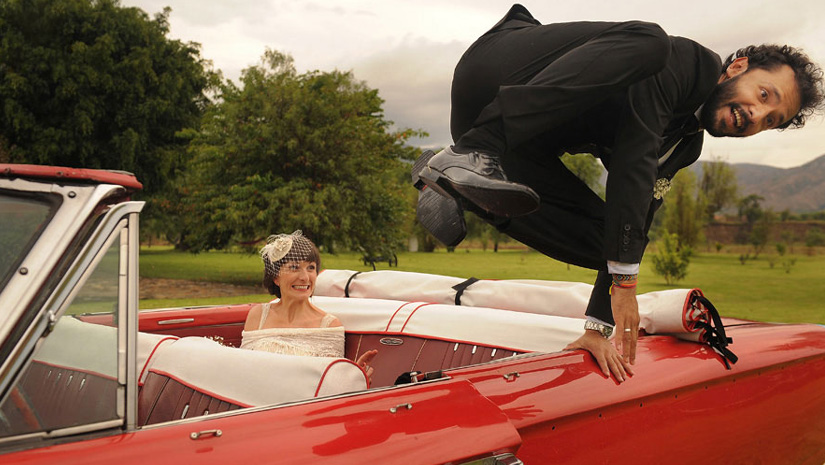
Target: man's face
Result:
[[746, 102]]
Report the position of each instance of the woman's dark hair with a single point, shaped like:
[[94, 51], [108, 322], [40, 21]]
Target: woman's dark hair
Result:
[[312, 255], [808, 75]]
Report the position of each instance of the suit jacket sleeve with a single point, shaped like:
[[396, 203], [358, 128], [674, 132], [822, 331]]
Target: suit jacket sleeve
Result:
[[679, 89]]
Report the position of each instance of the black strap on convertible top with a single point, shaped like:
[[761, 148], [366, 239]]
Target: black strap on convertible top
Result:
[[346, 288], [461, 287], [715, 332]]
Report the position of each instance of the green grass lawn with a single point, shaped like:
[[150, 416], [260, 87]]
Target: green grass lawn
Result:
[[755, 290]]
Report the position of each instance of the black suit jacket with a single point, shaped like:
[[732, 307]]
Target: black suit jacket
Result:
[[629, 131], [653, 111]]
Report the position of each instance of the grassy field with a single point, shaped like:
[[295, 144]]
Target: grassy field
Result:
[[754, 290]]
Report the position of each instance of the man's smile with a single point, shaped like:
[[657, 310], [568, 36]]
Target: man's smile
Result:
[[738, 118]]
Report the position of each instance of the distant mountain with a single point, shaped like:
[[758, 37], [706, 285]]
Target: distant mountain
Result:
[[799, 189]]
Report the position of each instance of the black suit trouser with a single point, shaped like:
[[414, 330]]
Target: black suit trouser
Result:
[[521, 84]]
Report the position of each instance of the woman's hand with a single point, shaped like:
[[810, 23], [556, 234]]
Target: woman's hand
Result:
[[364, 362]]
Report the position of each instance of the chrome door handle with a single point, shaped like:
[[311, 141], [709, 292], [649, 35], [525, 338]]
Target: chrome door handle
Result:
[[407, 406], [210, 432], [511, 376]]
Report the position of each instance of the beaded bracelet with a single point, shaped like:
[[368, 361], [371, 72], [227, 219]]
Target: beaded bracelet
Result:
[[625, 280]]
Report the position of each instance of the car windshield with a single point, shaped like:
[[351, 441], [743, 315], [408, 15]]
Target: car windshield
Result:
[[22, 220]]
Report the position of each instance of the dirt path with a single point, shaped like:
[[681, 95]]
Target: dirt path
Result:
[[151, 288]]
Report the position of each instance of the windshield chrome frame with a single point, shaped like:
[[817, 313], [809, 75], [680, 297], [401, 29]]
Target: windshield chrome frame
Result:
[[128, 328], [120, 224], [78, 203]]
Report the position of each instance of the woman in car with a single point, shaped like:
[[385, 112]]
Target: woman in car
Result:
[[291, 324]]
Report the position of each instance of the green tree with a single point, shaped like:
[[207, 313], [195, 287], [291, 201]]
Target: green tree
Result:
[[88, 83], [485, 233], [684, 210], [815, 237], [587, 168], [296, 151], [761, 231], [789, 237], [750, 210], [718, 187], [669, 261]]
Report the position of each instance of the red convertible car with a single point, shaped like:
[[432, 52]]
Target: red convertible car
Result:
[[468, 371]]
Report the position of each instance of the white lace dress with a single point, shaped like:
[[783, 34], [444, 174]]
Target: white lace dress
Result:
[[324, 341]]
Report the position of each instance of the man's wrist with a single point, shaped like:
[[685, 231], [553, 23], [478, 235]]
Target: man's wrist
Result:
[[625, 280], [603, 330], [622, 268]]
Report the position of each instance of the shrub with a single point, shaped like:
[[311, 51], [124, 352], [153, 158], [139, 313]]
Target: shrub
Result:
[[670, 262], [815, 237]]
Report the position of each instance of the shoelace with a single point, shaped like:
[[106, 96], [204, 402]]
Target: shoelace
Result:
[[491, 165]]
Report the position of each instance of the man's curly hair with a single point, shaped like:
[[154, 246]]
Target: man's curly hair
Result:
[[808, 75]]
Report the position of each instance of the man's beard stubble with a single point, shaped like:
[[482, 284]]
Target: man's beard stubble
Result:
[[721, 95]]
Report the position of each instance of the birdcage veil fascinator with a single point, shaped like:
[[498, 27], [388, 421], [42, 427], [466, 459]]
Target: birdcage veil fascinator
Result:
[[284, 248]]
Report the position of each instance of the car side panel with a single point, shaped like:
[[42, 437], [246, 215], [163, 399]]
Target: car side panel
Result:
[[447, 421], [682, 405]]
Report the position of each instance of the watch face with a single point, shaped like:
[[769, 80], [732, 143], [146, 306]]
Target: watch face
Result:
[[607, 331]]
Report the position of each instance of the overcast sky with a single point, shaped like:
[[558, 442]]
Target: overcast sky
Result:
[[408, 49]]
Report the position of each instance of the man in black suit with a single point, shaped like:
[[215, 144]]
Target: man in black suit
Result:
[[524, 94]]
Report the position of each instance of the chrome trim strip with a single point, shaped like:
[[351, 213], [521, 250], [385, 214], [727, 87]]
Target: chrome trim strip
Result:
[[260, 408], [58, 433], [132, 295], [122, 327], [176, 321], [84, 428]]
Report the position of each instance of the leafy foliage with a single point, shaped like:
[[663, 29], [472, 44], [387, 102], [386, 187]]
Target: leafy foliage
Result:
[[750, 208], [815, 238], [684, 210], [760, 232], [670, 262], [718, 187], [294, 151], [87, 83], [587, 168]]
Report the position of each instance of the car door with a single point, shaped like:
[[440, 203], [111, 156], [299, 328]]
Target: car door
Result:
[[70, 393], [65, 380], [432, 423]]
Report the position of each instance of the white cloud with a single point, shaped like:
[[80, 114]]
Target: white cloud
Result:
[[414, 80], [407, 50]]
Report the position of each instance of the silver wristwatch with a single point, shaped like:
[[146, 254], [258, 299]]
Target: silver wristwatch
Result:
[[604, 330]]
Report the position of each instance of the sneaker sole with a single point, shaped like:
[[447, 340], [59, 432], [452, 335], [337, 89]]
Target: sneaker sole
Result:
[[438, 213], [517, 201], [442, 217], [419, 166]]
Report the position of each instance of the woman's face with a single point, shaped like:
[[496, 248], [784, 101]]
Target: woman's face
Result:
[[297, 280]]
